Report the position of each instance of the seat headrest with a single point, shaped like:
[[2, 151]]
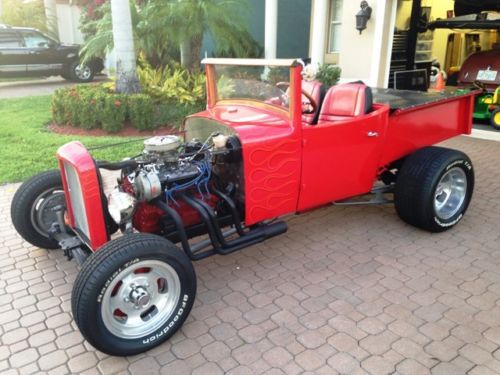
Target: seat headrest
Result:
[[348, 100]]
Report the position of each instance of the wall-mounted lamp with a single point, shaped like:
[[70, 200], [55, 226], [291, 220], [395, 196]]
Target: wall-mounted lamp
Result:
[[363, 16]]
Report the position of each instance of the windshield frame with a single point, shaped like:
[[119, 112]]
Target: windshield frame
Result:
[[295, 85]]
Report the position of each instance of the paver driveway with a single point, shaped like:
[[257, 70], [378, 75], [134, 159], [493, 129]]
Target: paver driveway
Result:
[[351, 290]]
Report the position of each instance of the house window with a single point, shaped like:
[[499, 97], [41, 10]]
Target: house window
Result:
[[335, 26]]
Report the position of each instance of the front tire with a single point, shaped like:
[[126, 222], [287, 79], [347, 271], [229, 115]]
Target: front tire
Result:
[[434, 188], [32, 211], [495, 118], [133, 294]]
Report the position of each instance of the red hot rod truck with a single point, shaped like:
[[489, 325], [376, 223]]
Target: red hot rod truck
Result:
[[267, 145]]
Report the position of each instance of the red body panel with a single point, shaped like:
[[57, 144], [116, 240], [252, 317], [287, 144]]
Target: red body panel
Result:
[[271, 157], [426, 125], [75, 154], [271, 140], [340, 159]]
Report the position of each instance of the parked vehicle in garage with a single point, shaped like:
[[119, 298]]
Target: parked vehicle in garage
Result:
[[268, 145], [482, 70], [27, 52]]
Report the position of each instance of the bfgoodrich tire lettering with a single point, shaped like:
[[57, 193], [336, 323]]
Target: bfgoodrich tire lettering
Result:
[[92, 289], [434, 188]]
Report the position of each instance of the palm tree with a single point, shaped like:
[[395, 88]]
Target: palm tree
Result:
[[221, 19], [163, 28], [123, 39]]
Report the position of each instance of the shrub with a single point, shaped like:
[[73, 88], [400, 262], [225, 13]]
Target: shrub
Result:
[[58, 107], [113, 113], [328, 75], [96, 106], [141, 112], [172, 114]]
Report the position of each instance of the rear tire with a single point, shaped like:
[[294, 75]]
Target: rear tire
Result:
[[434, 188], [81, 72], [133, 294], [31, 208], [495, 118]]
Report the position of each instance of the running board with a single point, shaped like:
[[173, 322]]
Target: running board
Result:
[[377, 198]]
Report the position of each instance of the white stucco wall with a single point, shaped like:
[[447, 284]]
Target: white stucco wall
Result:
[[68, 21]]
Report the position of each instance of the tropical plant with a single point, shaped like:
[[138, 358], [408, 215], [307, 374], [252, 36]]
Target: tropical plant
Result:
[[165, 28], [328, 75], [221, 19], [174, 84]]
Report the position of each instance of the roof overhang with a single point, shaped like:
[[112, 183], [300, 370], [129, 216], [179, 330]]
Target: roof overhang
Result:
[[250, 62], [481, 21]]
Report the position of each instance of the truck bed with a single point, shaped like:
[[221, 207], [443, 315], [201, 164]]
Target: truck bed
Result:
[[420, 119], [406, 99]]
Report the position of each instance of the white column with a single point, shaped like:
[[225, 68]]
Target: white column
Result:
[[271, 29], [319, 32], [383, 19]]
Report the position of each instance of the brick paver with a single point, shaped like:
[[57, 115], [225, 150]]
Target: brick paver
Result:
[[348, 290]]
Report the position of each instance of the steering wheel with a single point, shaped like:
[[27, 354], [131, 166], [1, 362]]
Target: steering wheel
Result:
[[312, 103]]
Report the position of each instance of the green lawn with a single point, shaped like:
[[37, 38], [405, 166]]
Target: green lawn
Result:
[[27, 147]]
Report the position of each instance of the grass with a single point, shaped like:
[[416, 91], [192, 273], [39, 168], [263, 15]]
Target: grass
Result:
[[28, 148]]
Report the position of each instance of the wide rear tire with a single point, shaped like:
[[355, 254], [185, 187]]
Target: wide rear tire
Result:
[[32, 211], [133, 294], [434, 188]]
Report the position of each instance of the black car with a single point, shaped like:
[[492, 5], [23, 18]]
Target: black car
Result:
[[28, 52]]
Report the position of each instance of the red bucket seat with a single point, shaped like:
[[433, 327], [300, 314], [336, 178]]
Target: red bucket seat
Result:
[[345, 101]]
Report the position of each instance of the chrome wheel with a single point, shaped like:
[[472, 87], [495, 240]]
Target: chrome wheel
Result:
[[140, 299], [83, 72], [450, 193], [42, 213]]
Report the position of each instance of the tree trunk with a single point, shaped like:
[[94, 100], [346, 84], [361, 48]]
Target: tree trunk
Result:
[[185, 48], [196, 43], [126, 77]]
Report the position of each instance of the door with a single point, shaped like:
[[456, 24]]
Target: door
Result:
[[340, 159], [43, 57], [12, 54]]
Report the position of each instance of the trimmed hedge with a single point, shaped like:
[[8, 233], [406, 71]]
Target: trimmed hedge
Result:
[[97, 107]]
